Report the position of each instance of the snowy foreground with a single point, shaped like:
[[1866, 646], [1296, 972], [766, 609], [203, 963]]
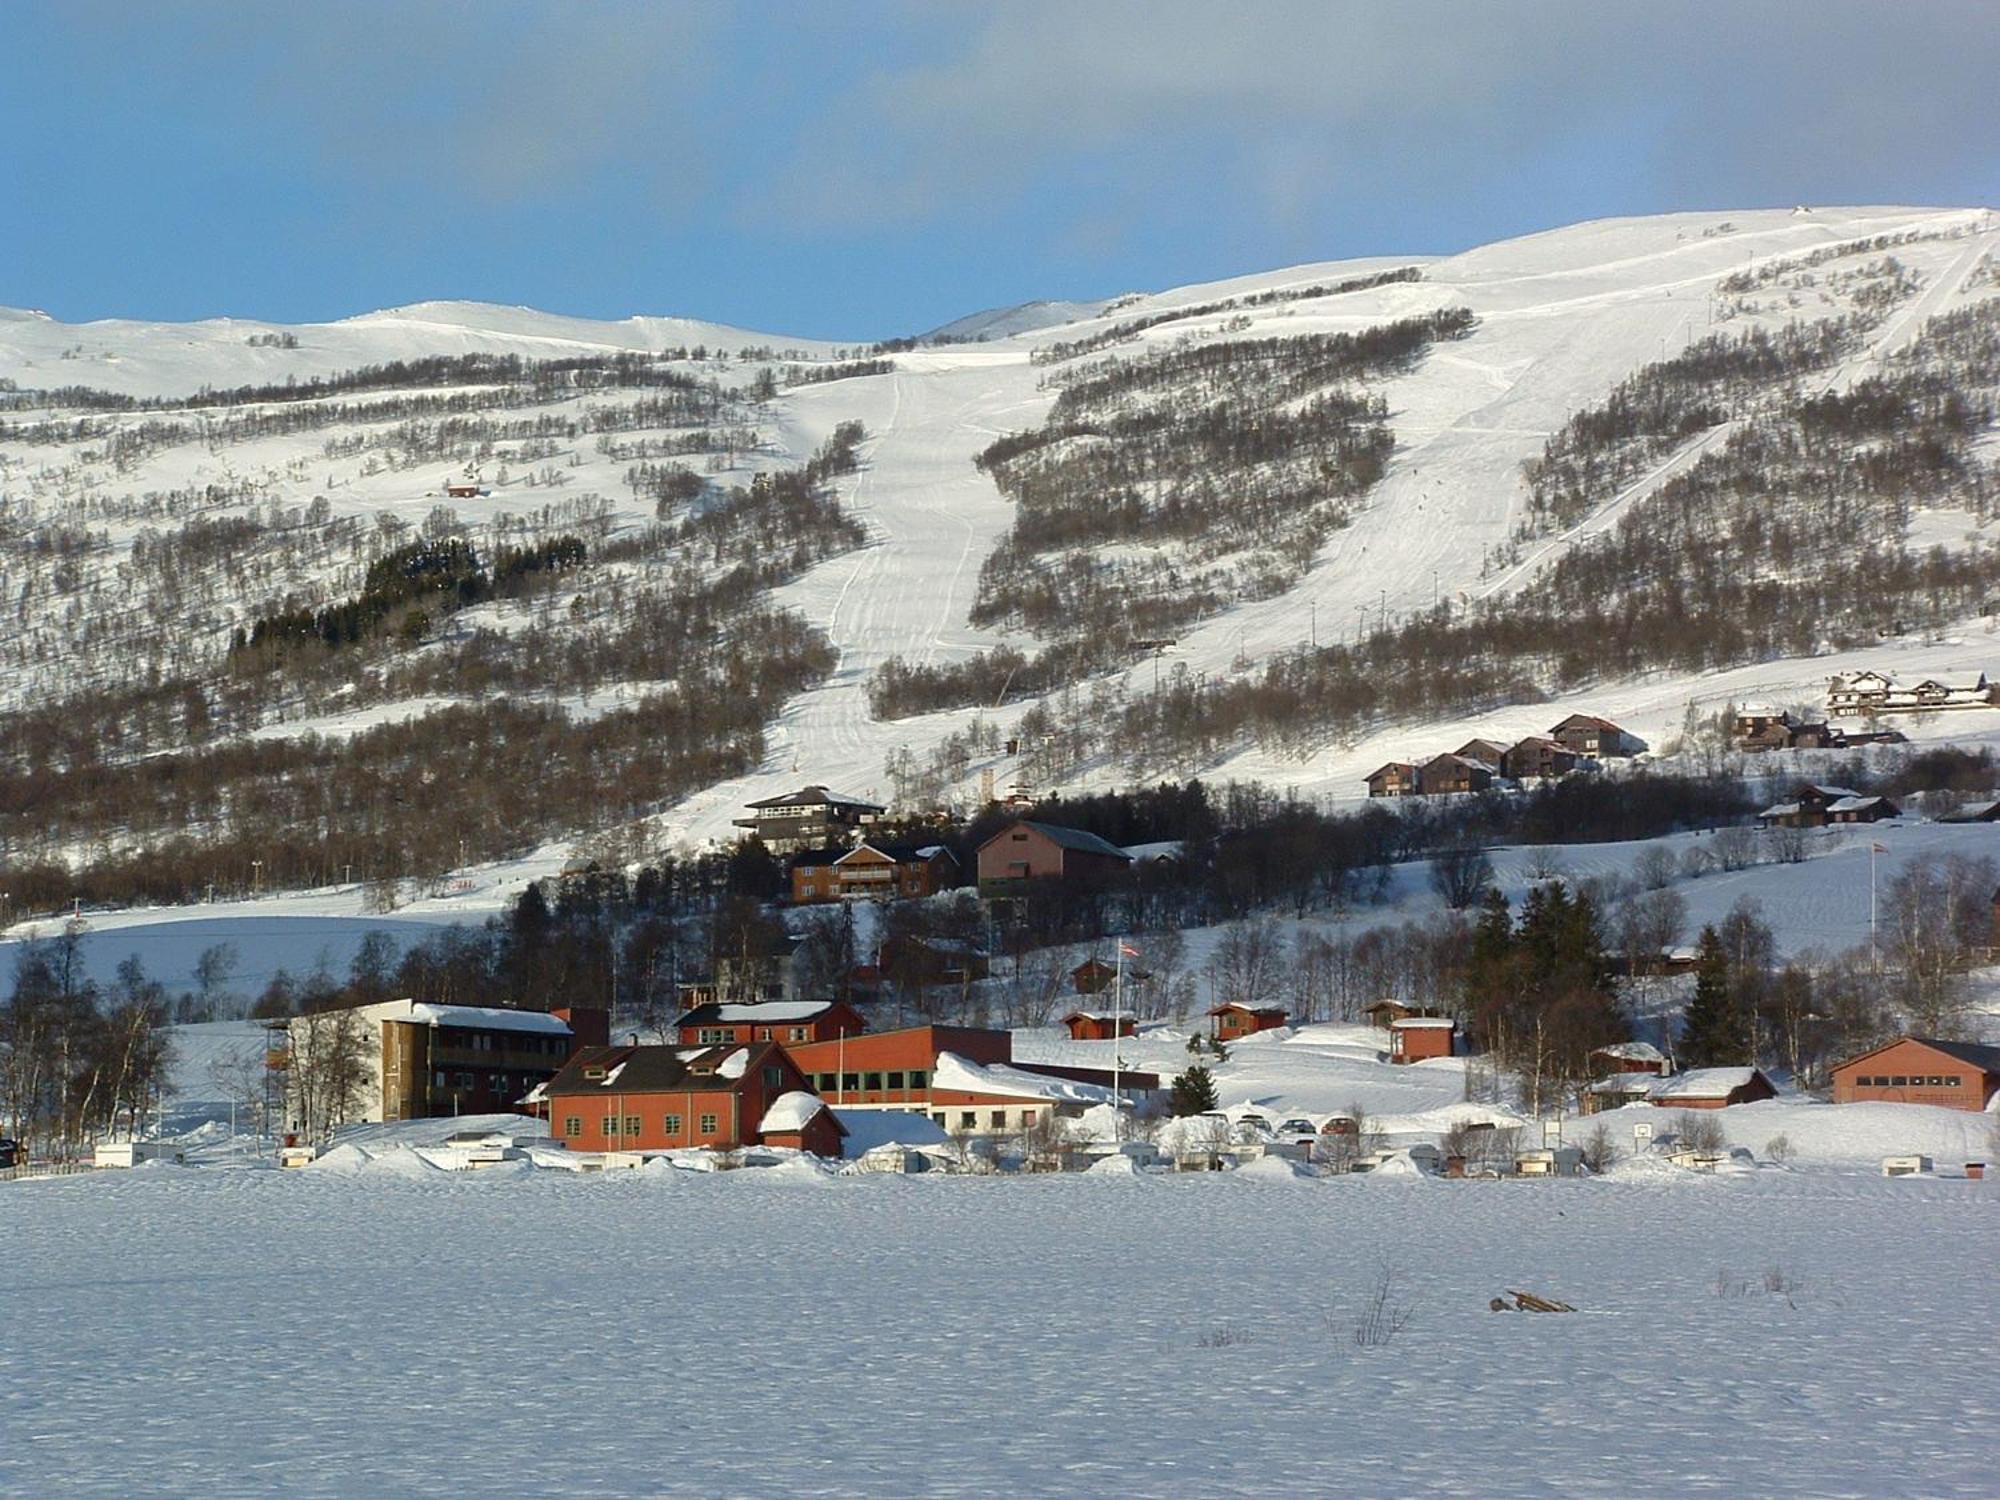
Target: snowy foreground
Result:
[[223, 1332]]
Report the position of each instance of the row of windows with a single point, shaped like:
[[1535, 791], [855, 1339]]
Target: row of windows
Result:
[[485, 1041], [716, 1036], [634, 1125], [1913, 1081], [968, 1119], [874, 1083]]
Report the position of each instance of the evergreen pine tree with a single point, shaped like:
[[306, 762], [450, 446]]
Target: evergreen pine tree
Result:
[[1713, 1033], [1194, 1091]]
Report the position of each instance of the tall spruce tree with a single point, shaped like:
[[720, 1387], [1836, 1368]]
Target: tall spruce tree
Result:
[[1714, 1033]]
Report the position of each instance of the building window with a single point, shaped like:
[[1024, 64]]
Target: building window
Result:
[[1935, 1081], [937, 1117], [1951, 1080], [631, 1124], [828, 1083], [999, 1119], [1899, 1080], [850, 1083], [774, 1077], [611, 1124], [708, 1124], [713, 1036], [895, 1081], [968, 1120], [673, 1125], [763, 1033], [874, 1083], [798, 1034], [1027, 1117], [572, 1125], [918, 1078]]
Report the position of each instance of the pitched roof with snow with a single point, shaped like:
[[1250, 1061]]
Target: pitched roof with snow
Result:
[[656, 1069], [487, 1018], [815, 796], [954, 1072], [761, 1012], [794, 1111], [1644, 1052], [1075, 839], [1704, 1083], [1422, 1023]]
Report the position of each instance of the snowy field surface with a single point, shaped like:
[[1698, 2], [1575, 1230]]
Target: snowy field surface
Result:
[[220, 1333]]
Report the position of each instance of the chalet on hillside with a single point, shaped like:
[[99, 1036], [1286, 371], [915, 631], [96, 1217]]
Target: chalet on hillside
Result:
[[1987, 811], [785, 1021], [1229, 1022], [1487, 753], [650, 1098], [1417, 1038], [1537, 757], [1454, 773], [1397, 779], [874, 870], [1920, 1070], [810, 818], [1631, 1057], [1099, 1026], [1870, 693], [1384, 1011], [1759, 727], [1587, 734], [1025, 851], [1815, 806]]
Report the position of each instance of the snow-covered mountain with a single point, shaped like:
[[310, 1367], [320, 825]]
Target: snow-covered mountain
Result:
[[96, 496]]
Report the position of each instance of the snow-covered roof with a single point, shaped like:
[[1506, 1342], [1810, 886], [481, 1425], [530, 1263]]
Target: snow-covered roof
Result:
[[815, 796], [733, 1065], [1640, 1085], [1413, 1023], [488, 1018], [954, 1072], [1644, 1052], [1703, 1083], [792, 1111], [1853, 803], [767, 1010], [870, 1129]]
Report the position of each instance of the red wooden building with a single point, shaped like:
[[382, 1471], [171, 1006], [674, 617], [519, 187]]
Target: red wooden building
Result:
[[1098, 1026], [651, 1098], [1587, 734], [1228, 1022], [787, 1021], [1417, 1038], [1920, 1070]]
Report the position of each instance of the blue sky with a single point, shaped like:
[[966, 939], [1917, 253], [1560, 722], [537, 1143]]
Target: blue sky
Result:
[[858, 170]]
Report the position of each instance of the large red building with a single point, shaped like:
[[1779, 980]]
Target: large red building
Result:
[[653, 1098], [1027, 851], [1920, 1070]]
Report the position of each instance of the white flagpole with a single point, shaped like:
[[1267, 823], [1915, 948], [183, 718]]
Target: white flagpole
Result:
[[1117, 1044]]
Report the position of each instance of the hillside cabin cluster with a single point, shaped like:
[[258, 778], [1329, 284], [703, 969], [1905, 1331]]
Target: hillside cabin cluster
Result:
[[1871, 694], [1815, 806], [1476, 765]]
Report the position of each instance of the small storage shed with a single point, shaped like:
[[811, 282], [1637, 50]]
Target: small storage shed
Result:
[[1416, 1038]]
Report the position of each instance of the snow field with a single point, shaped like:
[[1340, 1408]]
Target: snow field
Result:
[[173, 1331]]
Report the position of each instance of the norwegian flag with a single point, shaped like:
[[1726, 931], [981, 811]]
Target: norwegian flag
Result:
[[1878, 848], [1128, 950]]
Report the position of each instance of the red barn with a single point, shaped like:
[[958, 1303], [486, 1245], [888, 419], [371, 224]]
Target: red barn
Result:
[[1920, 1070], [1096, 1026], [1228, 1022], [651, 1098], [1416, 1038]]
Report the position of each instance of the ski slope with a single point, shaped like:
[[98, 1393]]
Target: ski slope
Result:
[[1563, 316]]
